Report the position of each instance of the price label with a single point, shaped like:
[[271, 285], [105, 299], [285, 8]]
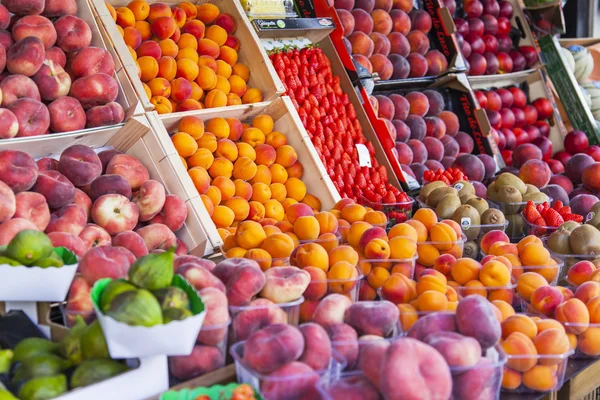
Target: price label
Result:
[[364, 158], [465, 223], [589, 216], [458, 186]]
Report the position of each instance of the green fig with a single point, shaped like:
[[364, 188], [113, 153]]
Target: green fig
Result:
[[175, 314], [3, 250], [44, 388], [9, 261], [32, 346], [154, 271], [93, 371], [39, 365], [53, 260], [70, 346], [112, 290], [172, 297], [29, 246], [6, 395], [6, 357], [93, 343], [137, 307]]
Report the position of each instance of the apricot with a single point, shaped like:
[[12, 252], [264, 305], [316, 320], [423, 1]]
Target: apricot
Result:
[[505, 308], [588, 342], [426, 216], [252, 95], [518, 344], [149, 68], [528, 283], [342, 277], [403, 229], [541, 378], [494, 274], [225, 186], [428, 253], [207, 12], [574, 315], [402, 248], [551, 342], [278, 245], [465, 270], [399, 289], [223, 217], [343, 253], [519, 323], [534, 254], [511, 379]]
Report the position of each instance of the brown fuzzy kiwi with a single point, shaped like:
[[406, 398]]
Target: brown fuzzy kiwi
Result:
[[515, 225], [531, 189], [466, 187], [430, 187], [438, 194], [585, 239], [508, 179], [471, 249], [558, 241], [467, 211], [492, 216], [507, 196], [481, 205], [492, 190], [447, 206], [536, 197]]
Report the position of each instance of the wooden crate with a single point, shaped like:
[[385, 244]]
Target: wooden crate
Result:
[[534, 84], [127, 96], [138, 139], [252, 54], [286, 121]]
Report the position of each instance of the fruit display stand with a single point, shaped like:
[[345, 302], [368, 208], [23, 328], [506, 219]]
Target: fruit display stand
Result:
[[441, 37], [534, 86], [286, 121], [262, 75], [574, 106], [459, 99]]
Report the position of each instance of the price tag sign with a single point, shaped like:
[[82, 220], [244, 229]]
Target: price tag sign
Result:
[[589, 216], [465, 223], [364, 158], [458, 186]]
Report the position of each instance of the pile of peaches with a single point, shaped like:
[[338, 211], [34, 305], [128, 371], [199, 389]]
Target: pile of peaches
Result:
[[186, 55], [390, 38], [52, 79], [85, 200]]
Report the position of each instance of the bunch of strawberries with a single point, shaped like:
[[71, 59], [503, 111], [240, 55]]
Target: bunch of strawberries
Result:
[[544, 216], [330, 120], [448, 176]]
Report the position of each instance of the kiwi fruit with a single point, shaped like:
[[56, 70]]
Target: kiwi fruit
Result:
[[537, 197], [491, 191], [447, 206], [569, 226], [466, 197], [438, 194], [507, 195], [515, 225], [595, 209], [507, 179], [492, 216], [531, 189], [595, 221], [481, 205], [585, 239], [430, 187], [471, 250], [467, 187], [558, 241], [467, 211]]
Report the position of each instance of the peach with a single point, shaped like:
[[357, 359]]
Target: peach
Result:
[[260, 313], [15, 87], [457, 350], [150, 199], [157, 236], [73, 33], [10, 228], [132, 242], [492, 237], [130, 168], [92, 236], [574, 313], [486, 329], [331, 309], [105, 262], [317, 346], [528, 283], [373, 318], [35, 26], [546, 300], [106, 115], [173, 214], [17, 170], [285, 284], [344, 340], [434, 381], [26, 56], [243, 280], [55, 187], [69, 241], [294, 377], [95, 90], [109, 184], [258, 349], [8, 203], [66, 114], [580, 272], [32, 115], [19, 7], [80, 164], [115, 213], [9, 125], [200, 277], [202, 360], [92, 60]]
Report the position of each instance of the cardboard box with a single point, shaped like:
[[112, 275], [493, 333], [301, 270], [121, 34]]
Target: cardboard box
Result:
[[262, 74], [287, 122]]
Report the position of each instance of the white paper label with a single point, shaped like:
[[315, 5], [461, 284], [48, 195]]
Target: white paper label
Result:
[[465, 223], [458, 186], [364, 158], [589, 216]]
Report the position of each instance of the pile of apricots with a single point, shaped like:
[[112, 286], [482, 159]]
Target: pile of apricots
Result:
[[186, 55]]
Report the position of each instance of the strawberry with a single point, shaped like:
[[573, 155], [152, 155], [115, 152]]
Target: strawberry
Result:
[[540, 208], [557, 205], [531, 213], [566, 210], [376, 178], [574, 217], [552, 217], [389, 198], [540, 222]]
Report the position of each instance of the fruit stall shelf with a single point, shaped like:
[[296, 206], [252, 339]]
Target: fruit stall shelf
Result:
[[441, 38], [138, 139], [574, 108], [535, 86], [262, 75], [520, 35], [286, 121], [459, 99]]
